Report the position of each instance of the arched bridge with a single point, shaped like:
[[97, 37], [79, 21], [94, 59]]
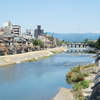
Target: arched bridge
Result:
[[77, 45]]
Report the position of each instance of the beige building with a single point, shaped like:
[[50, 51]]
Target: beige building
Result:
[[49, 41], [8, 27], [16, 29]]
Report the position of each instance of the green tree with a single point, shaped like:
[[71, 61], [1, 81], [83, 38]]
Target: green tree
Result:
[[97, 44], [38, 43], [86, 40], [92, 43], [63, 40]]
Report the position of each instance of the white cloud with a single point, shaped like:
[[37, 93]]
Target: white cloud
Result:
[[75, 27], [98, 31]]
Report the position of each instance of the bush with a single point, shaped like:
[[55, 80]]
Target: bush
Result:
[[75, 75], [76, 69], [84, 84], [38, 43], [77, 89], [79, 95], [85, 74], [78, 78]]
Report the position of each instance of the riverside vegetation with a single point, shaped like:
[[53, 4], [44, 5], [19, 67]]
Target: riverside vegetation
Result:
[[34, 59], [95, 44], [77, 77]]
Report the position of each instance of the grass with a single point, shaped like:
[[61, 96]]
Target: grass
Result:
[[7, 65], [76, 54], [56, 52], [77, 77], [33, 59], [29, 60], [89, 65], [77, 89], [48, 56]]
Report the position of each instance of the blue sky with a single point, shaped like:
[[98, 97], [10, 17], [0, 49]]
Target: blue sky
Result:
[[59, 16]]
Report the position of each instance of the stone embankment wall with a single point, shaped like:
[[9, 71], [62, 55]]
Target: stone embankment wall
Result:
[[18, 58]]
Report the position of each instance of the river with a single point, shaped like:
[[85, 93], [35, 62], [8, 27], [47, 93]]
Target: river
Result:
[[39, 80]]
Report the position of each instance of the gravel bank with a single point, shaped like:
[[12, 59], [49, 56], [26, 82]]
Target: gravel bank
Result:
[[18, 58], [64, 94]]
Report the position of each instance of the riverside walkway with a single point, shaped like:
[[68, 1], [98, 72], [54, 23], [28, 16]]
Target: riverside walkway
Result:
[[95, 95]]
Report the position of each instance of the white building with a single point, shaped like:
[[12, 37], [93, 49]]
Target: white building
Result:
[[16, 29], [29, 32], [8, 27]]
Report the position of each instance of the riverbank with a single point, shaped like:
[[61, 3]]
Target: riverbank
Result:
[[82, 88], [82, 77], [64, 94], [28, 57]]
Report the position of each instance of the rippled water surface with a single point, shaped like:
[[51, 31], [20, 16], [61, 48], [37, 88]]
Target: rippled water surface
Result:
[[38, 80]]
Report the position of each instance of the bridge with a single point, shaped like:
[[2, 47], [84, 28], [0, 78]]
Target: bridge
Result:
[[77, 45]]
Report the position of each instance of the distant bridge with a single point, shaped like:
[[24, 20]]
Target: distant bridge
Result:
[[77, 45]]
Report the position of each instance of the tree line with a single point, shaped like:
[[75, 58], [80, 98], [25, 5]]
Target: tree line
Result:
[[95, 44]]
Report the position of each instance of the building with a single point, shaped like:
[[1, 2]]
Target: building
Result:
[[52, 41], [38, 31], [29, 32], [8, 27], [16, 29], [2, 30]]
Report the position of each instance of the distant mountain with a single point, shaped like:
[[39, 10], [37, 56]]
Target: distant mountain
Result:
[[75, 37]]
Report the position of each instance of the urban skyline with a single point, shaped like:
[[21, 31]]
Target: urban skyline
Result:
[[59, 16]]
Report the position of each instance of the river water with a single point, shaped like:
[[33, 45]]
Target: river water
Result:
[[39, 80]]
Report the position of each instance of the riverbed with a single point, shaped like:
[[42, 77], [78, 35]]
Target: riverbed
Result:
[[39, 80]]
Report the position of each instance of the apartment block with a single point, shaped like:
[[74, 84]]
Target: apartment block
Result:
[[7, 27], [29, 32], [16, 29]]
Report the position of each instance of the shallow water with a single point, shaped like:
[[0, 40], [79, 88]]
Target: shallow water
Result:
[[38, 80]]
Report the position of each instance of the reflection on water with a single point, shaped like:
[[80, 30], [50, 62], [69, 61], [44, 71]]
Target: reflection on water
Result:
[[38, 80]]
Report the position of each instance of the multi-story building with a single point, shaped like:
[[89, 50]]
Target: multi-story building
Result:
[[38, 31], [29, 32], [16, 29], [8, 27]]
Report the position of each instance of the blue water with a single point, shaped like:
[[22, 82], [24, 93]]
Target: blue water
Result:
[[38, 80]]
